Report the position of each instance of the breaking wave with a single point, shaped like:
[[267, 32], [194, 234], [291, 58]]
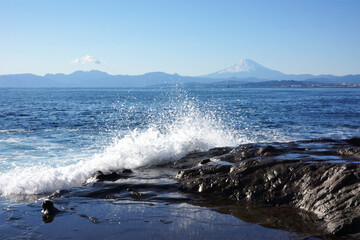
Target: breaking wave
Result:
[[176, 132]]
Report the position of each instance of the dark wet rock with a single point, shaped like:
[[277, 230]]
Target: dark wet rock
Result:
[[112, 176], [59, 193], [100, 176], [321, 177], [205, 161], [195, 158], [354, 141], [48, 207], [251, 151], [48, 210], [165, 221], [126, 191], [350, 152], [126, 171]]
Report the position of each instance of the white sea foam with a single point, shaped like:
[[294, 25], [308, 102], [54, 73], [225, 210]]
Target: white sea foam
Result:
[[175, 134], [11, 130]]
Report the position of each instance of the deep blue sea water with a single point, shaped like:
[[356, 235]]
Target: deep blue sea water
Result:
[[53, 139], [56, 138]]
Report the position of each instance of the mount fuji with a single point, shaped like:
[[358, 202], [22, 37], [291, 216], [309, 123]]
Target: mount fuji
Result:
[[247, 68]]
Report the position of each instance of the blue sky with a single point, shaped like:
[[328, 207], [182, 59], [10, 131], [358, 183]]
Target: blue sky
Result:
[[189, 37]]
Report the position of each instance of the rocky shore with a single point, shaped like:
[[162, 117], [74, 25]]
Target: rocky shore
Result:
[[321, 177], [307, 187]]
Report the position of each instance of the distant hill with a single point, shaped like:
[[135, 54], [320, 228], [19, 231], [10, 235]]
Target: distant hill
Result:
[[95, 78], [25, 81], [245, 73]]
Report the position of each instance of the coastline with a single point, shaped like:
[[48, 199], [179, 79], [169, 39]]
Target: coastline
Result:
[[195, 197]]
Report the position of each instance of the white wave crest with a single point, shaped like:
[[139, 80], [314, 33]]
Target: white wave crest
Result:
[[171, 138]]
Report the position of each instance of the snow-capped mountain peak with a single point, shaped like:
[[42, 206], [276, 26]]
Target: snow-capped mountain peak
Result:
[[247, 68], [244, 65]]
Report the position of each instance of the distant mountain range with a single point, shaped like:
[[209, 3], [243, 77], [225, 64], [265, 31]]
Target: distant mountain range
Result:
[[245, 73]]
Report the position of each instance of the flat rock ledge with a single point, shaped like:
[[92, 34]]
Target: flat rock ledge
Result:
[[319, 176]]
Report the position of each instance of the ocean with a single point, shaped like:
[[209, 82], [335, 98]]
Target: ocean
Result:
[[56, 139]]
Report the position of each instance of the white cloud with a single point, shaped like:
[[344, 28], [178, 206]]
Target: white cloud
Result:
[[86, 59]]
